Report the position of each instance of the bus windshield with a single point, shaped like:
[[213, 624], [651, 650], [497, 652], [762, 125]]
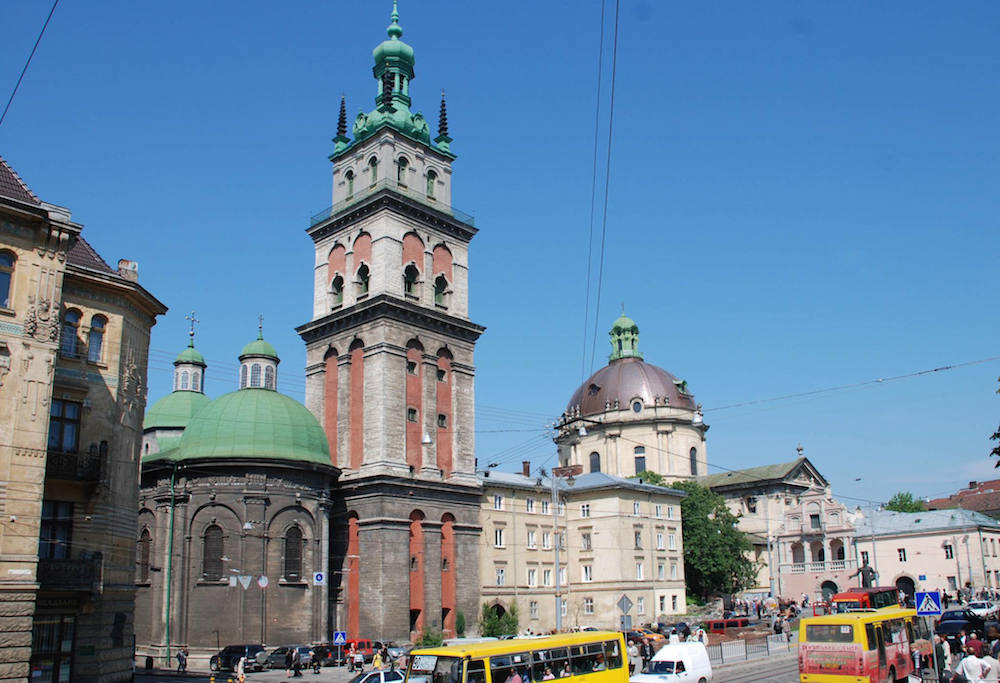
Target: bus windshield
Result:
[[434, 669]]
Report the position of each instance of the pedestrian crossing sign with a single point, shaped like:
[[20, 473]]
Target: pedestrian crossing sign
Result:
[[928, 604], [340, 638]]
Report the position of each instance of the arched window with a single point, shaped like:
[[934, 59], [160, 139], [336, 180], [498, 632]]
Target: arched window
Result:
[[269, 377], [243, 377], [142, 552], [255, 375], [70, 343], [95, 338], [401, 166], [372, 171], [694, 461], [410, 277], [7, 261], [184, 380], [363, 277], [196, 380], [293, 554], [337, 290], [440, 290], [432, 177], [212, 551], [349, 177], [595, 462]]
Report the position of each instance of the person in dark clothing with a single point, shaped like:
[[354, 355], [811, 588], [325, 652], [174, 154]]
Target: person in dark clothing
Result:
[[646, 650]]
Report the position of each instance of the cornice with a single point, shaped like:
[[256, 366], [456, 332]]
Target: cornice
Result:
[[385, 306]]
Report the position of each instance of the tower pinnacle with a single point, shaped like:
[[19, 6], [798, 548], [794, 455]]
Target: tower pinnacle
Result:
[[394, 30]]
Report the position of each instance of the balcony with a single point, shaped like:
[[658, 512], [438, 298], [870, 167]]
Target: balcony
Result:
[[85, 467], [390, 183], [818, 567], [71, 575]]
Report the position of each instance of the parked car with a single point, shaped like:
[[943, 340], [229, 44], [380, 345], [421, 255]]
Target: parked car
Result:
[[954, 620], [390, 676], [983, 608], [227, 658], [364, 646], [327, 655], [276, 659], [677, 662]]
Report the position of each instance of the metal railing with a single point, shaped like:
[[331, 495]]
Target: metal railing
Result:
[[73, 466], [404, 190], [70, 575], [743, 650]]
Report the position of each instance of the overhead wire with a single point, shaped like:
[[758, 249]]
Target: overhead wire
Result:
[[28, 62], [593, 193], [607, 183]]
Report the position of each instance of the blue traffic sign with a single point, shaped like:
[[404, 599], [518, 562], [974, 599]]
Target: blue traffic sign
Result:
[[340, 637], [928, 604]]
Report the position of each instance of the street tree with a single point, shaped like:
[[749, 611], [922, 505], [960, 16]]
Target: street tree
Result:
[[647, 477], [493, 625], [904, 501], [716, 560]]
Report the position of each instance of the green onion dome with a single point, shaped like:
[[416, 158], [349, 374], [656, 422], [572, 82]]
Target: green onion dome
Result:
[[190, 355], [259, 347], [255, 423], [394, 52], [175, 410]]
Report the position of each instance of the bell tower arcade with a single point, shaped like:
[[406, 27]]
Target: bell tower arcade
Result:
[[389, 366]]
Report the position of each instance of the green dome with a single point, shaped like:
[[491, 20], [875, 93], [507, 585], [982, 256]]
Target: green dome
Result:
[[259, 347], [190, 355], [255, 423], [176, 409], [623, 322], [394, 51]]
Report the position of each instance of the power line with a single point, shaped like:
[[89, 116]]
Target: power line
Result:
[[25, 69], [593, 195], [607, 183]]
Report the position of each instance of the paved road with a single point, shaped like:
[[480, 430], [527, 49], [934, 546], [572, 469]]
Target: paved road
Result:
[[327, 675], [760, 671]]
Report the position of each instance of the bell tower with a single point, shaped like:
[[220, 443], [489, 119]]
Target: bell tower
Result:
[[390, 371]]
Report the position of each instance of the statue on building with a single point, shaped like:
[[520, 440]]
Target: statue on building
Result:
[[867, 575]]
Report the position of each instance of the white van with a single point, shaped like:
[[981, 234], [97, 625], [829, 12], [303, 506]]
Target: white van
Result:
[[677, 662]]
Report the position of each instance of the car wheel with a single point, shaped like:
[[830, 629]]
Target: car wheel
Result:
[[213, 665]]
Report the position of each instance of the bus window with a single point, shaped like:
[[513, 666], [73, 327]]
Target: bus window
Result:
[[829, 633], [555, 660], [585, 658], [509, 668], [611, 654], [475, 671], [870, 634]]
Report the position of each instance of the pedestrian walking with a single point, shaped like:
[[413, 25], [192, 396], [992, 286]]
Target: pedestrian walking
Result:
[[241, 667], [296, 663], [633, 656], [182, 661], [289, 659]]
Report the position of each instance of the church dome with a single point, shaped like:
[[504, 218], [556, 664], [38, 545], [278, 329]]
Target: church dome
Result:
[[627, 379], [255, 423], [190, 355], [394, 52], [259, 347], [175, 410]]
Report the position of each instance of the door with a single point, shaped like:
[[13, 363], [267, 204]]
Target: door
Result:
[[880, 644]]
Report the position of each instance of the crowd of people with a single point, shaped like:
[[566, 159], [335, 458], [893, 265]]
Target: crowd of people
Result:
[[967, 657]]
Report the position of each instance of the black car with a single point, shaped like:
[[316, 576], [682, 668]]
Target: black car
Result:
[[229, 656], [954, 620]]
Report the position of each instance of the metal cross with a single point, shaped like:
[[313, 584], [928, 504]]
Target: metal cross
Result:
[[193, 321]]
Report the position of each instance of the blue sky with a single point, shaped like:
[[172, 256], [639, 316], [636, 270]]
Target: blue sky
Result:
[[802, 195]]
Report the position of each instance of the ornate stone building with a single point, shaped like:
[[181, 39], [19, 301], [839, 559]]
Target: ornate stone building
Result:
[[631, 416], [390, 369], [235, 510], [74, 342]]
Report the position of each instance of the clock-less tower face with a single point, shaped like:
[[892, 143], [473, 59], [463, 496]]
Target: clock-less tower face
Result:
[[389, 369]]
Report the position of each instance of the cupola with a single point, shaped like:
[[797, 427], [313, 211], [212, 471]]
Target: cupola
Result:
[[259, 363]]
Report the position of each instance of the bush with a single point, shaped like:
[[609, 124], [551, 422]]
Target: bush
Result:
[[493, 626], [431, 637], [460, 624]]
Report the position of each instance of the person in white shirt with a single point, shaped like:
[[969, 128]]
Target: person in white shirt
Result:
[[972, 667], [994, 673]]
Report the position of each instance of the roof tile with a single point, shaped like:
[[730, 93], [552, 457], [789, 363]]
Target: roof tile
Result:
[[13, 187]]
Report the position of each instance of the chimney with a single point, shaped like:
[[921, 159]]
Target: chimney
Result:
[[526, 468], [128, 270], [973, 484]]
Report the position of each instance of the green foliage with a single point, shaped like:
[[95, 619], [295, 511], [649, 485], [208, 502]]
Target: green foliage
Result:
[[493, 626], [431, 637], [904, 501], [460, 624], [715, 551], [647, 477]]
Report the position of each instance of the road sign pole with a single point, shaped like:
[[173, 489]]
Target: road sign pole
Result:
[[930, 627]]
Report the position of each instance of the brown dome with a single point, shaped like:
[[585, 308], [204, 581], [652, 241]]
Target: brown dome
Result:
[[625, 379]]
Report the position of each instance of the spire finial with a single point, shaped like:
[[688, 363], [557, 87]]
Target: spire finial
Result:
[[443, 117], [193, 320], [395, 31], [260, 326], [623, 308], [342, 119]]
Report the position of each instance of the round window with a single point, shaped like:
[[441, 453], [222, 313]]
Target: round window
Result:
[[637, 406]]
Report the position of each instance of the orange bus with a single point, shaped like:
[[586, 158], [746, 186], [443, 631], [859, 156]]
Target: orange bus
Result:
[[872, 645], [875, 597]]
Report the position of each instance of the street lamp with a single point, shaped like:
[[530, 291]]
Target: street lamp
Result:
[[569, 474]]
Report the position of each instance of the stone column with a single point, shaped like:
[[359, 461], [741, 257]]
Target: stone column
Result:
[[432, 574], [385, 564], [467, 579], [464, 421]]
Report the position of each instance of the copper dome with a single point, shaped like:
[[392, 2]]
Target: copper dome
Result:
[[625, 379]]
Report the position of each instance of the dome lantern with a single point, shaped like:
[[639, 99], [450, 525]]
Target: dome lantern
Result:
[[624, 338], [259, 363]]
